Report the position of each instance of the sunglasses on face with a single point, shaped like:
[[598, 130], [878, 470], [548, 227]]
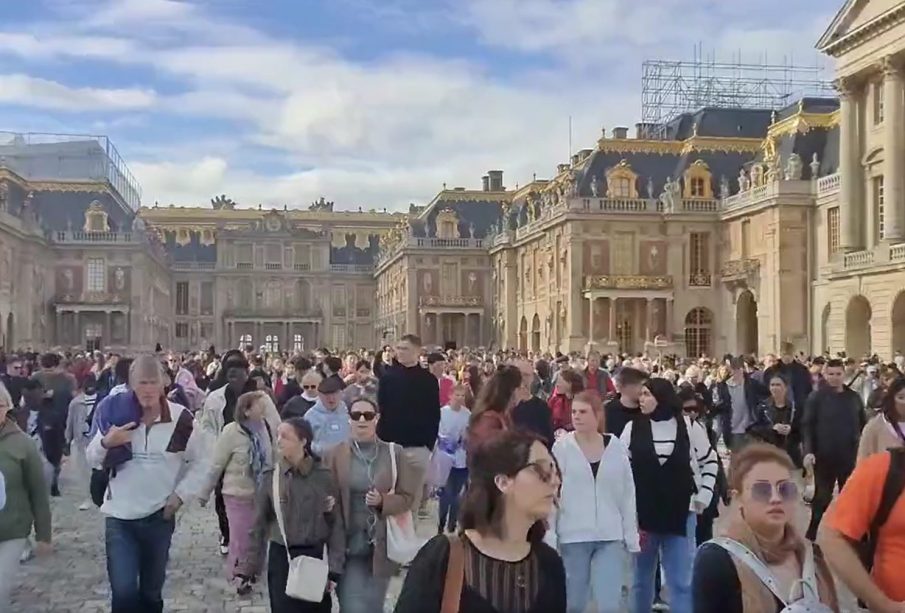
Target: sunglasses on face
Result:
[[544, 470], [309, 387], [357, 415], [762, 491]]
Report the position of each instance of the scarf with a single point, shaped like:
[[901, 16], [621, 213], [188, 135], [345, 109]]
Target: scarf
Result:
[[258, 457], [757, 597]]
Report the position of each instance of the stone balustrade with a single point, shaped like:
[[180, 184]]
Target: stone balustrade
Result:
[[828, 184], [857, 259], [592, 282], [81, 237], [451, 301]]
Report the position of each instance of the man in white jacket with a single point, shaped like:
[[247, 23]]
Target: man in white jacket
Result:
[[154, 456]]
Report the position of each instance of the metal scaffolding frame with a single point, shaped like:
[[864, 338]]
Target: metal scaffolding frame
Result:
[[670, 88]]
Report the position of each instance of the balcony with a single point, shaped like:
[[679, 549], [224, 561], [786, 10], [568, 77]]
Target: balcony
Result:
[[641, 205], [897, 253], [193, 265], [88, 297], [282, 312], [301, 267], [700, 279], [445, 243], [828, 184], [630, 282], [858, 259], [761, 193], [739, 269], [451, 301], [244, 266], [352, 268], [78, 237], [273, 266]]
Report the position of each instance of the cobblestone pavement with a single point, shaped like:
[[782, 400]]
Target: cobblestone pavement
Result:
[[73, 579]]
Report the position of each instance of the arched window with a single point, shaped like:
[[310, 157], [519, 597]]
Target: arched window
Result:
[[698, 332]]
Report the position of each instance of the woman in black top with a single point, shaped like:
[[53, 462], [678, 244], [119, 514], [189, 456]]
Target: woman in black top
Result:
[[506, 567], [776, 420]]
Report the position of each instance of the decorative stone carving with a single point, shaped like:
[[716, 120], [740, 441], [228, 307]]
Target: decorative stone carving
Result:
[[594, 186], [724, 187], [757, 174], [670, 195], [4, 195], [221, 202], [793, 168], [815, 167], [119, 278], [650, 188], [743, 183]]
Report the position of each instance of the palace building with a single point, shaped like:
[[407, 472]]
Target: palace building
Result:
[[743, 230]]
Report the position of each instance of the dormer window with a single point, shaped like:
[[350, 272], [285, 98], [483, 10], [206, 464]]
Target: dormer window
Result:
[[621, 181], [698, 181], [447, 224], [697, 187], [95, 218], [622, 188]]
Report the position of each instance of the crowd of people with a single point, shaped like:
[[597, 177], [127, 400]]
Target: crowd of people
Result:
[[560, 480]]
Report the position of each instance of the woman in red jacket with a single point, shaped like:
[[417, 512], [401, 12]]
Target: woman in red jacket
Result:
[[568, 383]]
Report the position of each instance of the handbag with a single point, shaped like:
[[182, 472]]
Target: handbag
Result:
[[307, 576], [440, 466], [402, 541]]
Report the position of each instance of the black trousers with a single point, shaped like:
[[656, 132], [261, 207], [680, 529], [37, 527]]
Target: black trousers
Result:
[[278, 571], [220, 508], [828, 471]]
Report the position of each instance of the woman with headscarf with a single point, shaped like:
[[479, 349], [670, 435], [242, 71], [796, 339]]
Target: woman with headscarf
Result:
[[674, 469], [242, 454]]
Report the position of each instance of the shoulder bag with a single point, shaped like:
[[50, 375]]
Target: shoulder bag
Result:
[[307, 576], [455, 576], [402, 541]]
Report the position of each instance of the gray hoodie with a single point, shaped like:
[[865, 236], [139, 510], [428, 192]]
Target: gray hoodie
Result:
[[330, 427]]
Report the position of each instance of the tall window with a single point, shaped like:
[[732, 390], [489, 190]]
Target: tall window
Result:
[[244, 256], [879, 197], [245, 339], [697, 187], [298, 343], [699, 259], [621, 187], [832, 228], [273, 257], [878, 102], [182, 298], [93, 334], [207, 332], [698, 324], [182, 330], [272, 343], [96, 275], [207, 297]]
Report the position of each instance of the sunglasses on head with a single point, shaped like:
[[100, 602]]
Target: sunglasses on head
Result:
[[762, 491], [357, 415]]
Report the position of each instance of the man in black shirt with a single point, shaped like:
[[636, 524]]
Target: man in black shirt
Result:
[[14, 379], [830, 430], [409, 400], [531, 413], [624, 407]]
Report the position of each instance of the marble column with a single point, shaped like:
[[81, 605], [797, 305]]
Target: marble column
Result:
[[670, 303], [893, 153], [591, 320], [850, 203], [612, 323], [648, 334]]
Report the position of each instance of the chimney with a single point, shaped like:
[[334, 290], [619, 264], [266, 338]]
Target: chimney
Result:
[[620, 133], [496, 180], [485, 183]]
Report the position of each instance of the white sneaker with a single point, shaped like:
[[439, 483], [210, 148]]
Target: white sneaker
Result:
[[85, 505], [27, 554]]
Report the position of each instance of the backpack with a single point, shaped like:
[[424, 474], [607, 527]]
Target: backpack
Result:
[[809, 599], [892, 490]]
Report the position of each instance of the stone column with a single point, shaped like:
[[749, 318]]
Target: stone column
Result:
[[650, 320], [670, 303], [893, 153], [108, 328], [590, 320], [850, 235], [611, 332]]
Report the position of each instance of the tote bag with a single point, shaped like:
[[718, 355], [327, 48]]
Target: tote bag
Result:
[[402, 541], [307, 577]]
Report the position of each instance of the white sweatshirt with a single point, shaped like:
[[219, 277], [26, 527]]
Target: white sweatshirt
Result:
[[160, 466], [596, 509], [702, 456]]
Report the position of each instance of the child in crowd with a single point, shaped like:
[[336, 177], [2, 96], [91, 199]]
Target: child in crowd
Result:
[[454, 419]]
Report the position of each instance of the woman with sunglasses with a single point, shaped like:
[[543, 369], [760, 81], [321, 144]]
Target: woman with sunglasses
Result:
[[596, 525], [761, 534], [498, 561], [674, 468], [363, 471], [297, 406]]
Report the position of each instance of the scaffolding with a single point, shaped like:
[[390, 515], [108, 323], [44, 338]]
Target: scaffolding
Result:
[[670, 88]]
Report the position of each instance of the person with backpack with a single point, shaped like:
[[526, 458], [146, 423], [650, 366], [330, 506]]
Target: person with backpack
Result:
[[870, 505], [78, 428], [760, 564]]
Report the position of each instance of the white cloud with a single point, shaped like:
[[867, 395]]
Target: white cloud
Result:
[[29, 91]]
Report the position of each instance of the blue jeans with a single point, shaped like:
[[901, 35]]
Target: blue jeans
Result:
[[137, 554], [676, 554], [449, 498], [594, 566]]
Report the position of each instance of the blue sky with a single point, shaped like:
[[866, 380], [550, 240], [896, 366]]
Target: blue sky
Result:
[[371, 103]]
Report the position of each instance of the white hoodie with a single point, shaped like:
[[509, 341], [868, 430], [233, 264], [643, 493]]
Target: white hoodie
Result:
[[601, 508]]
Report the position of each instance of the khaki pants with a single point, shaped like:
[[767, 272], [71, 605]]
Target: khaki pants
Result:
[[418, 459], [9, 569]]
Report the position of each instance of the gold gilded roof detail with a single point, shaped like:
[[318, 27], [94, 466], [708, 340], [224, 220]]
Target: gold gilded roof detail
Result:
[[694, 143], [803, 122]]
